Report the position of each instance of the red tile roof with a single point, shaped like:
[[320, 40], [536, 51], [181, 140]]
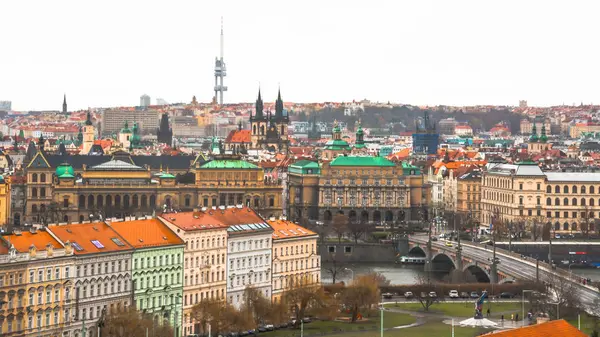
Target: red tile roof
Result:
[[146, 233], [39, 239], [191, 221], [284, 229], [92, 237], [238, 136], [557, 328], [217, 217]]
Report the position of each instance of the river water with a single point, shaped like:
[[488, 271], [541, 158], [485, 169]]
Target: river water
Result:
[[407, 274]]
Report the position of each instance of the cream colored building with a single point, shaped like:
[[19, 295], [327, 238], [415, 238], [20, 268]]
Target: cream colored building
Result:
[[566, 200], [295, 257], [204, 255]]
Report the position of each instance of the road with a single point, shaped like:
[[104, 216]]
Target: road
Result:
[[524, 269]]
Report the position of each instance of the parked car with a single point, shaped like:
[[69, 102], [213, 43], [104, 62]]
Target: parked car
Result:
[[506, 295], [408, 295], [262, 328], [306, 320], [423, 295], [448, 244], [433, 238], [387, 295], [474, 294], [464, 294], [453, 294], [432, 294]]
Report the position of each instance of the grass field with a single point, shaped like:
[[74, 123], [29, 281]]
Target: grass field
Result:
[[460, 309]]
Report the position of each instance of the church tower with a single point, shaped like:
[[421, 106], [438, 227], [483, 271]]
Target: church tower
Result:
[[258, 124], [88, 135], [64, 109], [164, 134], [281, 119]]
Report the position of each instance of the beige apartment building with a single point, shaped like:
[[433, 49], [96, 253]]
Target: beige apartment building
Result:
[[295, 258], [114, 119], [468, 201], [204, 260], [522, 191]]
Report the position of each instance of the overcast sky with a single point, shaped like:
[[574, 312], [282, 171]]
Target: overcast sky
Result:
[[108, 53]]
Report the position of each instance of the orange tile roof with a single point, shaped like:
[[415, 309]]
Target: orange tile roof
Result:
[[220, 217], [284, 229], [146, 233], [192, 221], [39, 239], [84, 234], [238, 136], [557, 328]]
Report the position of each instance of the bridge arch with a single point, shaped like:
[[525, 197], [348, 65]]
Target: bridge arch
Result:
[[417, 251], [442, 263], [478, 272]]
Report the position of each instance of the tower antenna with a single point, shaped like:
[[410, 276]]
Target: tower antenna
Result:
[[220, 70]]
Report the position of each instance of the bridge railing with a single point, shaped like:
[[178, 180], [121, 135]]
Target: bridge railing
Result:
[[543, 265]]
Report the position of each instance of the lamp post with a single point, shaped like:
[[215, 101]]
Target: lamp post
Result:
[[557, 309], [381, 324], [523, 304]]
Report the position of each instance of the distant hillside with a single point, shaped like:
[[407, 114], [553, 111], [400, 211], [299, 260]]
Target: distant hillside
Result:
[[375, 117]]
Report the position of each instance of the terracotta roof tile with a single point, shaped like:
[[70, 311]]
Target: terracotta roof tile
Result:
[[92, 237], [238, 136], [284, 229], [146, 233], [39, 239], [557, 328], [192, 221], [228, 217]]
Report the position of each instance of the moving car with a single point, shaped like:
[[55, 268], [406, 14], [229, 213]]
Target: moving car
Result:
[[387, 295], [464, 294], [453, 294], [408, 295], [506, 295], [448, 244], [474, 294], [432, 294]]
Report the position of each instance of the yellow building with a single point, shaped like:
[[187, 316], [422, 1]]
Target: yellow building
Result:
[[296, 261], [469, 194], [4, 202], [36, 282], [70, 188], [523, 192], [204, 260], [366, 189]]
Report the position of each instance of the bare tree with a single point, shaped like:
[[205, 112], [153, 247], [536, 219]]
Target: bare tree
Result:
[[356, 230], [423, 288], [566, 294], [587, 219], [340, 226], [129, 322], [333, 266], [536, 227]]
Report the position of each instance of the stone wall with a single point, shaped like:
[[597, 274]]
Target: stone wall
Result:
[[353, 252]]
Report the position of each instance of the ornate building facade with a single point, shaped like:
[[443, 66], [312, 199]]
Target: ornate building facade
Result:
[[366, 189], [71, 188]]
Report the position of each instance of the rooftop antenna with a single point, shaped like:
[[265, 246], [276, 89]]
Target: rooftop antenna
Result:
[[220, 70]]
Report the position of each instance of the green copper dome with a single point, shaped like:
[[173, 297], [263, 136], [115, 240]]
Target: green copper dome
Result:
[[534, 136], [543, 137], [125, 128], [65, 170]]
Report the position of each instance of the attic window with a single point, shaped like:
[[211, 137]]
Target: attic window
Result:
[[164, 237], [98, 244], [77, 246], [69, 231], [118, 242]]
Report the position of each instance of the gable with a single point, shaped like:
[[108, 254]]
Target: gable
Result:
[[39, 162]]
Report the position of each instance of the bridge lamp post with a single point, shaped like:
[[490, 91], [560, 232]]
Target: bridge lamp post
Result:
[[523, 304]]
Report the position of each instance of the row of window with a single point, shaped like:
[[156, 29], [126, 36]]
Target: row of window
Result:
[[161, 280], [290, 266], [365, 182], [290, 250], [203, 294], [204, 260], [34, 192], [203, 277], [42, 178], [241, 280], [102, 289], [115, 266], [258, 262], [290, 280], [208, 243], [565, 202], [239, 298], [162, 260], [51, 274], [156, 301], [565, 189], [248, 245], [101, 201]]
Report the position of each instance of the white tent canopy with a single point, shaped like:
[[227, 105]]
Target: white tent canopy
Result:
[[478, 322]]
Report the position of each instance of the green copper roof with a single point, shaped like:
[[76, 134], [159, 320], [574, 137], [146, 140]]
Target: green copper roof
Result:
[[359, 146], [361, 161], [228, 164], [166, 176], [337, 144], [305, 167], [306, 164], [407, 168], [63, 169], [65, 176]]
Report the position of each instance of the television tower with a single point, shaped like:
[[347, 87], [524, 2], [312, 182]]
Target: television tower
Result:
[[220, 72]]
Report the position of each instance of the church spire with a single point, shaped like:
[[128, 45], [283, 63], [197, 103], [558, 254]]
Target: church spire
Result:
[[534, 136], [259, 106], [64, 107], [88, 120], [543, 137], [279, 106]]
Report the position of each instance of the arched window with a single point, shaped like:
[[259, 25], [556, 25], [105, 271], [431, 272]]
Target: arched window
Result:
[[520, 200], [271, 201], [574, 189], [42, 177], [574, 202], [262, 130], [548, 202], [566, 226], [34, 192], [144, 200], [109, 200], [557, 189], [42, 192], [592, 189], [135, 200], [99, 201], [557, 226], [566, 189], [126, 201], [574, 226], [81, 201], [34, 208], [566, 202], [187, 201], [152, 201], [582, 189], [90, 201], [254, 129], [34, 178], [592, 202], [256, 202], [548, 189], [117, 200], [583, 202]]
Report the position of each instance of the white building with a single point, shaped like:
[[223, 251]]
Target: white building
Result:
[[463, 130], [144, 100], [249, 259]]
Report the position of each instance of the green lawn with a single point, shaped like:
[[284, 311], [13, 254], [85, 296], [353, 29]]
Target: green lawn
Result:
[[460, 309], [391, 320], [587, 323]]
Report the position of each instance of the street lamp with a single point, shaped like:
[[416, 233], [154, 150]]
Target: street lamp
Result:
[[350, 270], [381, 328], [557, 309], [523, 303]]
